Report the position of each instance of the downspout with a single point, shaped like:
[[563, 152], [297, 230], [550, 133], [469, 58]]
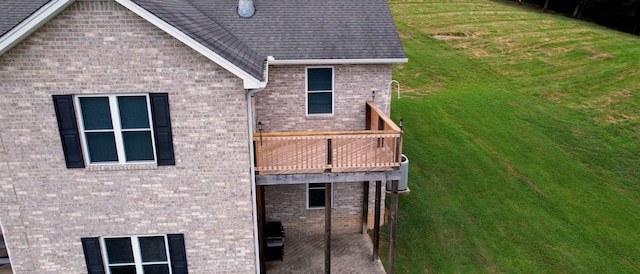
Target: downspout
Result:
[[252, 169]]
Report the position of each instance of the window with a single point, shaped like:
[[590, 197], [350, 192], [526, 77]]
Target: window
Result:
[[115, 129], [316, 196], [320, 90], [150, 254]]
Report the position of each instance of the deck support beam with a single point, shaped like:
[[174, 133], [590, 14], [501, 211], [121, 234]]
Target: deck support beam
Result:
[[393, 220], [365, 206], [376, 224], [327, 228], [342, 177]]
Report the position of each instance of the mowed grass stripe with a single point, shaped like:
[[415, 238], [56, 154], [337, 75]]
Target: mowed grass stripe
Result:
[[521, 158]]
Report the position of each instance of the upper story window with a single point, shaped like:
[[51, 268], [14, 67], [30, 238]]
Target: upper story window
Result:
[[116, 128], [320, 83]]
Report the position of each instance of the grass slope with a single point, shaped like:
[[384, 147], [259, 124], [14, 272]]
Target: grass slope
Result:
[[523, 135]]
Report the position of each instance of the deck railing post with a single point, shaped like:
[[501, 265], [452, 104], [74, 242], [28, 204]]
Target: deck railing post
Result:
[[398, 151], [255, 155], [329, 153], [367, 125]]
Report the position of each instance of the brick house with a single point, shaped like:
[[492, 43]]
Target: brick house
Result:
[[161, 136]]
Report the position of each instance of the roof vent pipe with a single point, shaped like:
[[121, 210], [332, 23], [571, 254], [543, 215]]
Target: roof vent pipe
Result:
[[246, 8]]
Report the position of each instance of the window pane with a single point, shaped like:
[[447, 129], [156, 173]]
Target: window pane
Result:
[[119, 251], [152, 249], [316, 198], [95, 113], [320, 103], [156, 269], [137, 145], [102, 147], [319, 79], [133, 111], [128, 269]]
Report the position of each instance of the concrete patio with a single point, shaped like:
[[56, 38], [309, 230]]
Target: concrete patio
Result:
[[350, 253]]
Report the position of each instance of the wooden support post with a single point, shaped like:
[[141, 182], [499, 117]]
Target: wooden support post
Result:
[[327, 228], [393, 220], [376, 222], [365, 206]]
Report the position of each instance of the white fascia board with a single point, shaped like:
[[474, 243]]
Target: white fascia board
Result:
[[338, 61], [249, 81], [32, 23]]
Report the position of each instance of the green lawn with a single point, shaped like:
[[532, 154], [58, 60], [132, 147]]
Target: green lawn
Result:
[[523, 135]]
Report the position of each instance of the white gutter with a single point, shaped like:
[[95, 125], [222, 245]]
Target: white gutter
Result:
[[249, 81], [252, 169], [32, 23], [338, 61]]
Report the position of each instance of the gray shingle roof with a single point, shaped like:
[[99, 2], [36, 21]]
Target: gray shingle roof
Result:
[[285, 29], [14, 12], [203, 28], [312, 29]]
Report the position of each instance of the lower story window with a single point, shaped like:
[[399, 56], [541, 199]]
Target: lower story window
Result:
[[146, 254], [316, 196], [136, 254]]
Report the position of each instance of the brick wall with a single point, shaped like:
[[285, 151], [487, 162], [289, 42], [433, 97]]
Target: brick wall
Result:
[[287, 204], [282, 106], [97, 47]]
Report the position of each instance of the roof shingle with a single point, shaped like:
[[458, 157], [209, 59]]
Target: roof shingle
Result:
[[284, 29]]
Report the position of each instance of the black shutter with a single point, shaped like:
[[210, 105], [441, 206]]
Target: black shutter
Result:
[[66, 115], [162, 128], [178, 253], [93, 255]]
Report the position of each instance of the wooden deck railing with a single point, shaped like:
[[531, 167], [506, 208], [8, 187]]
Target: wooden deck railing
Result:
[[376, 149]]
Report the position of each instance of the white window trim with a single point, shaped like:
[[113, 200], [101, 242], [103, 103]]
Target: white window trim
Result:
[[117, 128], [137, 255], [320, 207], [306, 87]]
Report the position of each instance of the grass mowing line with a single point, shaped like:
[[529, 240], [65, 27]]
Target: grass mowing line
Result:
[[476, 139]]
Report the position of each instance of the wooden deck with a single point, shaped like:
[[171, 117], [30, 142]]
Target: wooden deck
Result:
[[376, 149]]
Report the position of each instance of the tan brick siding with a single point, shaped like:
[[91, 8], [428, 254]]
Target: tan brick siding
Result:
[[287, 204], [102, 48], [282, 105]]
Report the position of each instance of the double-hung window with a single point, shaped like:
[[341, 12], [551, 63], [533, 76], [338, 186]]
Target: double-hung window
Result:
[[316, 196], [137, 254], [146, 254], [320, 90], [116, 128]]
